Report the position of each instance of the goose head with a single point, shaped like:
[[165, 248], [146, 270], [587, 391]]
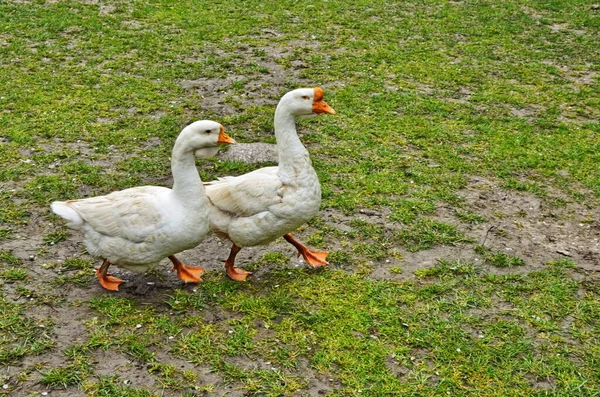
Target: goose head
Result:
[[305, 102], [205, 136]]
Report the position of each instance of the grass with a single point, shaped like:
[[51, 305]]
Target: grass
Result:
[[498, 259], [21, 336], [435, 333], [429, 95]]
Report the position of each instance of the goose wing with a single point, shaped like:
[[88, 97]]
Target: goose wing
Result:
[[248, 194], [132, 214]]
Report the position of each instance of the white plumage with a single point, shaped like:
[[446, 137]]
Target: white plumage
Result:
[[263, 205], [136, 228]]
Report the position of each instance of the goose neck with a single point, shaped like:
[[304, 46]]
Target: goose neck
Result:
[[187, 184], [289, 146]]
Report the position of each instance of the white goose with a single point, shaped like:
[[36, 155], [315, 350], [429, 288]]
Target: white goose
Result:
[[136, 228], [258, 207]]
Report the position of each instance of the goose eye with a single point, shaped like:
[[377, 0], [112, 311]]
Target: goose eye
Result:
[[208, 131], [305, 97]]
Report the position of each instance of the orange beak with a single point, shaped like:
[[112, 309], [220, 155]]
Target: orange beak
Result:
[[224, 139], [319, 105]]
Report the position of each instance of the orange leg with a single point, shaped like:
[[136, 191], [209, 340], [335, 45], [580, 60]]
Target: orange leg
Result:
[[235, 273], [313, 258], [187, 274], [107, 280]]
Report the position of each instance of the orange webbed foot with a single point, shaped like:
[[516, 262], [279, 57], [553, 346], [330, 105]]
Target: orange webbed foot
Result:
[[189, 274], [314, 259], [237, 274], [108, 281]]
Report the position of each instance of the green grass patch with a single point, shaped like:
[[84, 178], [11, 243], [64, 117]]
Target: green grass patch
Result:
[[70, 375], [21, 336], [498, 259], [113, 386], [469, 217], [76, 264], [56, 237], [430, 97], [5, 233], [14, 274], [344, 325], [425, 233], [8, 258]]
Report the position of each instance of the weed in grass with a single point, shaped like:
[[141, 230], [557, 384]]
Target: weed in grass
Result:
[[117, 309], [425, 233], [70, 375], [339, 258], [592, 285], [370, 251], [273, 258], [56, 237], [469, 217], [45, 189], [77, 264], [272, 382], [498, 259], [407, 210], [7, 258], [240, 337], [182, 301], [444, 268], [80, 278], [5, 233], [113, 386], [14, 274], [316, 239], [21, 335], [167, 375]]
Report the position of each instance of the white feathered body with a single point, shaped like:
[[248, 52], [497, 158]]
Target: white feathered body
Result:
[[259, 207], [136, 228]]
